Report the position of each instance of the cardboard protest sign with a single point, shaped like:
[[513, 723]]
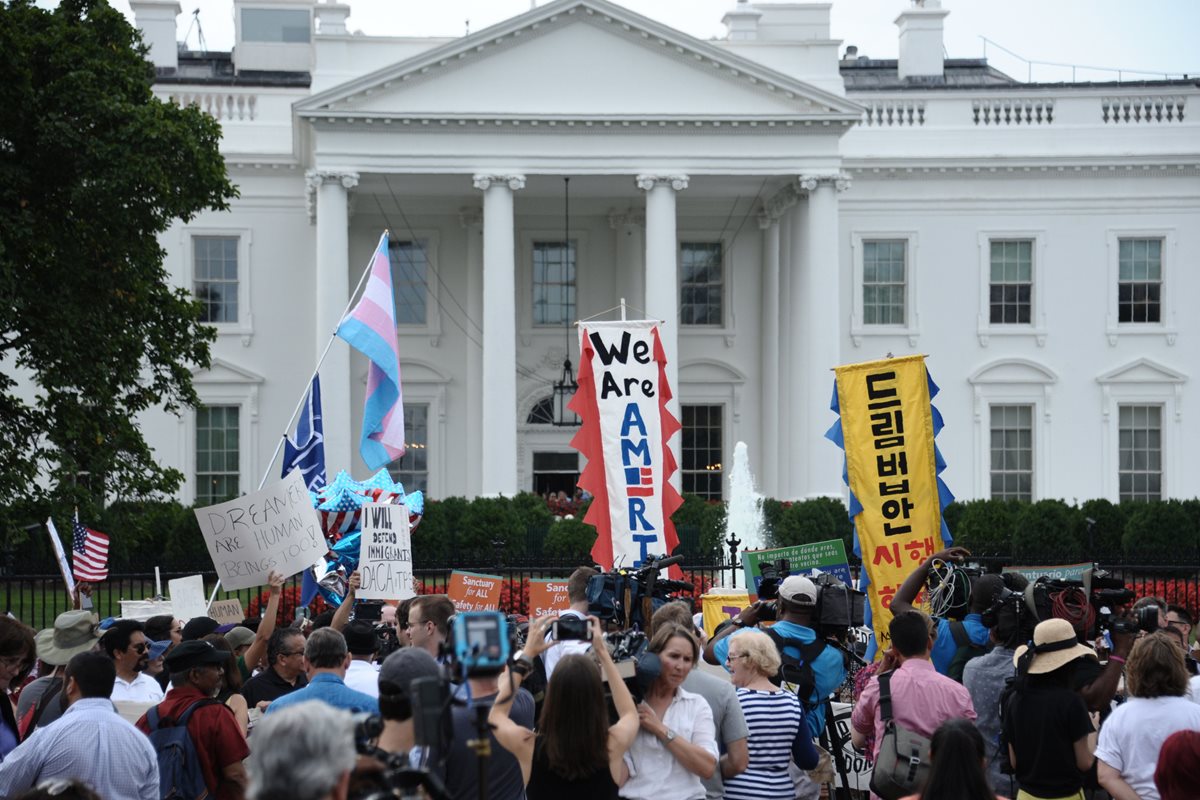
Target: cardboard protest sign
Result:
[[187, 597], [719, 605], [548, 596], [275, 528], [473, 592], [385, 560], [829, 556], [63, 566], [227, 611]]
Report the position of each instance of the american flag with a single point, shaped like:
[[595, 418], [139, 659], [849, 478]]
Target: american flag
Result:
[[90, 562]]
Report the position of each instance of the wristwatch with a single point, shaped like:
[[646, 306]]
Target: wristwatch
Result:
[[522, 665], [670, 737]]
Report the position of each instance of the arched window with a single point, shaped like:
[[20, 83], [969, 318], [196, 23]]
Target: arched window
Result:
[[542, 412]]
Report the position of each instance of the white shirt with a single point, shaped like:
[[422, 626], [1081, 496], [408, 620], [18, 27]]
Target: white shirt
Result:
[[363, 676], [1132, 736], [654, 773], [557, 650], [142, 689], [1194, 689]]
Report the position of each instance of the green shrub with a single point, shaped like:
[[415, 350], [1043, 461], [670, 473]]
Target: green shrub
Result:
[[490, 519], [985, 527], [139, 530], [815, 520], [1048, 530], [952, 513], [570, 539], [1104, 543], [1157, 531]]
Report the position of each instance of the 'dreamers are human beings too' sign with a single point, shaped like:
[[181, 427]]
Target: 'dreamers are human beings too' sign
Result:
[[385, 560], [275, 528]]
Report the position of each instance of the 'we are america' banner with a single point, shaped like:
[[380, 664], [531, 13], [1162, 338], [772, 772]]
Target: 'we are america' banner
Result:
[[622, 400]]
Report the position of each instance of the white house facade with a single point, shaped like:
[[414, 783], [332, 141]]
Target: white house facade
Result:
[[783, 207]]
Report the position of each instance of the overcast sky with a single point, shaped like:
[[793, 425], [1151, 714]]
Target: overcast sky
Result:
[[1152, 35]]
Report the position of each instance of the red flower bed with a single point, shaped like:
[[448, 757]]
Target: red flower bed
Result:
[[1176, 591], [288, 602]]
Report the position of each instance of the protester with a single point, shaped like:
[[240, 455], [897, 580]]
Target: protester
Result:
[[154, 660], [93, 744], [285, 669], [922, 698], [230, 690], [428, 619], [403, 632], [1130, 740], [575, 752], [252, 657], [957, 757], [164, 627], [363, 644], [125, 643], [778, 731], [396, 676], [1178, 773], [722, 699], [43, 701], [676, 746], [305, 752], [1179, 620], [327, 658], [240, 638], [1045, 723], [985, 679], [1153, 602], [195, 669], [577, 595], [199, 627]]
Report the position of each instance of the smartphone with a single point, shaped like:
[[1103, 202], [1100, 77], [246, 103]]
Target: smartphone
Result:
[[571, 629]]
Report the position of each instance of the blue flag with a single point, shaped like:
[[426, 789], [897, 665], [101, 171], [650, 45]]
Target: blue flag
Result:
[[306, 452]]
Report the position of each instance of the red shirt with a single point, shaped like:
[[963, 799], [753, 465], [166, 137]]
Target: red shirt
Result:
[[215, 733]]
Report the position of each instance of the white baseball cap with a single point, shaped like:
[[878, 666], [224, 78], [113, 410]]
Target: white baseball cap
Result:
[[798, 589]]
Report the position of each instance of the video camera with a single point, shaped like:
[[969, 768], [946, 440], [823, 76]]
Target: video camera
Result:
[[1099, 594], [628, 597], [637, 666], [772, 575], [396, 776], [480, 643]]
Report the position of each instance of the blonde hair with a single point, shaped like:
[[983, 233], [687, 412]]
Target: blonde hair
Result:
[[759, 650]]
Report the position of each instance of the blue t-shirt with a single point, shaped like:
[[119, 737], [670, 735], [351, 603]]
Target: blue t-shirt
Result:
[[945, 647], [828, 669], [328, 688]]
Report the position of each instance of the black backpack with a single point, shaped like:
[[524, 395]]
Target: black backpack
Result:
[[797, 670], [967, 650], [179, 774]]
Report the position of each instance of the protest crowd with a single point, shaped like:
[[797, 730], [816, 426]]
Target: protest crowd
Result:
[[383, 700]]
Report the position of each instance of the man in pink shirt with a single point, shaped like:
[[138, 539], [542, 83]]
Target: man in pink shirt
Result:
[[922, 699]]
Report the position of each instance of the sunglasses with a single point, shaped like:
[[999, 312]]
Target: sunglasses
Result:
[[140, 648]]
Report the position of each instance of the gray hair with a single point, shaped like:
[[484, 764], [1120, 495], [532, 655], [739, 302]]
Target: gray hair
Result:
[[301, 752], [325, 649]]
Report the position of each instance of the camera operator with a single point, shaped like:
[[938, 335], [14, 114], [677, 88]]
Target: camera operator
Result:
[[396, 677], [794, 609], [362, 675], [305, 752], [577, 586], [1153, 602]]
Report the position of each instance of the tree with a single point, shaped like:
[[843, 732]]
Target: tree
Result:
[[92, 168]]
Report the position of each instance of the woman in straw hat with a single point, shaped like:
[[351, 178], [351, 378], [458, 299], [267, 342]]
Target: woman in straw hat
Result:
[[1046, 724]]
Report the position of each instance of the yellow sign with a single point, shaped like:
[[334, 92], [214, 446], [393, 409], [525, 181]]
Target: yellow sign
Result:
[[887, 425], [720, 605]]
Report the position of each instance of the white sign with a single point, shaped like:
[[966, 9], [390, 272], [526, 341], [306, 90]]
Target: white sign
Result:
[[63, 566], [858, 769], [385, 560], [275, 528], [187, 597], [227, 611]]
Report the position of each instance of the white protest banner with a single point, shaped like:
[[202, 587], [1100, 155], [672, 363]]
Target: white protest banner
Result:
[[385, 560], [63, 566], [187, 597], [275, 528], [858, 769], [227, 611]]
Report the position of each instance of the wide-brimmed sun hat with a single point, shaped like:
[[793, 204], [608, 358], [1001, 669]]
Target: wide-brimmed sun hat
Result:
[[74, 632], [1054, 644]]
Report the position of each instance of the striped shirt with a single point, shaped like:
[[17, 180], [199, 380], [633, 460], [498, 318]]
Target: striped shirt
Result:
[[774, 719]]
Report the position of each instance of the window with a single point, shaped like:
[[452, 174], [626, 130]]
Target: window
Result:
[[276, 25], [542, 413], [215, 277], [1011, 288], [884, 283], [553, 283], [554, 473], [1140, 469], [701, 451], [217, 454], [1012, 452], [1139, 286], [410, 268], [412, 469], [702, 283]]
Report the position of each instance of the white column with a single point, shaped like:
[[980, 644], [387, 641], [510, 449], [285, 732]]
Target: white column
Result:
[[499, 397], [662, 281], [630, 252], [332, 291], [769, 338], [822, 330], [797, 331], [472, 222], [784, 356]]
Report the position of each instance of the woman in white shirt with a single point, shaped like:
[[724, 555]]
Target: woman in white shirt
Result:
[[677, 743]]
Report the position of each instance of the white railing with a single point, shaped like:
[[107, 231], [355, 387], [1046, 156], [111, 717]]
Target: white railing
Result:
[[1003, 111], [1155, 108], [883, 113], [220, 105]]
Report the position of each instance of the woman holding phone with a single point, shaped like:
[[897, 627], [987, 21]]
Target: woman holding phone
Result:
[[575, 752]]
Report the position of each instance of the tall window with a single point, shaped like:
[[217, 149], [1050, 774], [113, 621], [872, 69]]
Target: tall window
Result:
[[1139, 287], [409, 275], [1012, 452], [702, 283], [703, 436], [215, 279], [553, 283], [884, 282], [217, 454], [1140, 468], [555, 472], [412, 469], [1011, 287]]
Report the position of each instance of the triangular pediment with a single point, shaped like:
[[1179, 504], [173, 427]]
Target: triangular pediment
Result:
[[1142, 370], [221, 371], [579, 59], [1013, 370]]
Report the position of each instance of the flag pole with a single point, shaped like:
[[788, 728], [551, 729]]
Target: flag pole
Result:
[[332, 336]]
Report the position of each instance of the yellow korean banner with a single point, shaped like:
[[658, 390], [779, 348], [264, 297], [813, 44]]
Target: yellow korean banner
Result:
[[891, 466]]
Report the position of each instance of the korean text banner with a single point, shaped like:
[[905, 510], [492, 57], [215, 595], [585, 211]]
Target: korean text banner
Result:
[[887, 429], [622, 400]]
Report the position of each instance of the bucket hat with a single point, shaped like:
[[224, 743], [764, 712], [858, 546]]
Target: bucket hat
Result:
[[74, 632]]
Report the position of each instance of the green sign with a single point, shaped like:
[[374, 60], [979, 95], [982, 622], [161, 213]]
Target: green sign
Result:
[[802, 559], [1062, 572]]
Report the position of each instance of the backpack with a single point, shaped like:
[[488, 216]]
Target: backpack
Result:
[[179, 774], [967, 650], [903, 761], [797, 670]]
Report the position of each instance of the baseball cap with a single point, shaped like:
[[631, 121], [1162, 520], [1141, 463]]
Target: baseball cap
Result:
[[199, 627], [239, 636], [360, 638], [798, 589], [406, 665]]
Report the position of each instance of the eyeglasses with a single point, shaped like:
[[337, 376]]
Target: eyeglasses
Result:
[[292, 653], [729, 658], [1179, 623], [140, 647]]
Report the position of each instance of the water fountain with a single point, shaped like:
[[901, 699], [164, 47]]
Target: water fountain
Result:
[[744, 516]]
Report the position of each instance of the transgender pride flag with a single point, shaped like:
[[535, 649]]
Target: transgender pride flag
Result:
[[370, 328]]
